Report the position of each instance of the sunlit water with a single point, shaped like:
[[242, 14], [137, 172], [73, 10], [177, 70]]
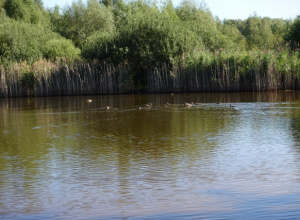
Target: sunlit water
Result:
[[65, 158]]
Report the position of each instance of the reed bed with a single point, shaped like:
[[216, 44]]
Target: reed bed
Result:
[[199, 72], [65, 78], [223, 72]]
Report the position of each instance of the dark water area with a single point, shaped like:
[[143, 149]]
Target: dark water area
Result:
[[70, 158]]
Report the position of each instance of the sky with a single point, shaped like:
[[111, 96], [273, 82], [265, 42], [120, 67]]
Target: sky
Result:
[[232, 9]]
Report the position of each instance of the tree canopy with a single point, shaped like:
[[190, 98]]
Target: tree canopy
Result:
[[140, 32]]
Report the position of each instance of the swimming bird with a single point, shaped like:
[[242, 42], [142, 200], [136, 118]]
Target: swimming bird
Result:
[[107, 107], [232, 106], [89, 101], [149, 104], [186, 104], [167, 104]]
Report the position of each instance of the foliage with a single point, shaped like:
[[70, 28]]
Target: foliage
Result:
[[261, 33], [28, 81], [294, 34], [60, 48], [145, 34], [30, 11], [79, 21], [258, 33], [149, 34], [21, 41], [232, 32]]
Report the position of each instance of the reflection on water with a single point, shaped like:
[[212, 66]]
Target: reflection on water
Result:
[[66, 158]]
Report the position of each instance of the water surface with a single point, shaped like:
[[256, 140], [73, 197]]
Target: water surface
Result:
[[66, 158]]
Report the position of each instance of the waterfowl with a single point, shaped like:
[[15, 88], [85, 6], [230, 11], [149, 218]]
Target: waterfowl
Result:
[[107, 107], [232, 106], [218, 103], [186, 104], [89, 101], [149, 104], [167, 104]]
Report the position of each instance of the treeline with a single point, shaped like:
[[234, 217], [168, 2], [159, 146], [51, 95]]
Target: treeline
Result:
[[116, 46]]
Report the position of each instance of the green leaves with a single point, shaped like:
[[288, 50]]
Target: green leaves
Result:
[[140, 32], [259, 33], [60, 47], [28, 81], [29, 11], [79, 21], [294, 34], [20, 41]]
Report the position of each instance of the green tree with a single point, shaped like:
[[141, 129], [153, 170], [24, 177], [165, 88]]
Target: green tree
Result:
[[60, 48], [293, 36], [239, 24], [259, 33], [169, 11], [79, 21], [145, 37], [235, 35], [202, 27], [30, 11], [279, 29], [21, 41]]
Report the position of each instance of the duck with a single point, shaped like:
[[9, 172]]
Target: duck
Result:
[[149, 104], [107, 107], [232, 106], [186, 104], [167, 104], [89, 101]]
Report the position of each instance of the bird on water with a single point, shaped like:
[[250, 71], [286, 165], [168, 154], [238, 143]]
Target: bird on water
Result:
[[186, 104], [149, 104]]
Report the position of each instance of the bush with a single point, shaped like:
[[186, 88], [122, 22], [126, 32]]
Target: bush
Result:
[[20, 41], [28, 81], [60, 48]]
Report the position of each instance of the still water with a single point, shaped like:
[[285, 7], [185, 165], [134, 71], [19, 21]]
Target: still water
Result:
[[66, 158]]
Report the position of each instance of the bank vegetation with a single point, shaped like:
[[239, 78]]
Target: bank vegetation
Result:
[[117, 47]]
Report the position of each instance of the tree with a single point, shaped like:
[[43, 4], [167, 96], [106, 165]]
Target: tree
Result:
[[293, 35], [279, 28], [258, 33], [235, 35], [30, 11], [169, 11], [79, 21], [21, 41]]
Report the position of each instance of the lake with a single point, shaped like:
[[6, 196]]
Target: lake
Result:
[[70, 158]]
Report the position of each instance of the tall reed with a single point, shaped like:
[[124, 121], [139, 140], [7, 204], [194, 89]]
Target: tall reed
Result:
[[198, 72], [227, 72], [66, 78]]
